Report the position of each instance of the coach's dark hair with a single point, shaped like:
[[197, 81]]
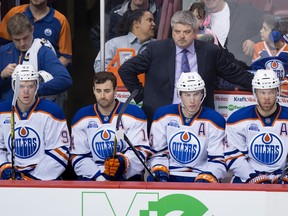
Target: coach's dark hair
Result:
[[128, 18], [103, 76]]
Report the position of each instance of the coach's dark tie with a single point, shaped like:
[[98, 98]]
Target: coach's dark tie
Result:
[[185, 67]]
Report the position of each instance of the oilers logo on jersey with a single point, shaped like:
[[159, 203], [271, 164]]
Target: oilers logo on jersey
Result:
[[27, 142], [103, 144], [277, 66], [266, 148], [184, 147]]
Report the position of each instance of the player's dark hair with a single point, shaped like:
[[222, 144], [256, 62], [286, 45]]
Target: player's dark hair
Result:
[[128, 18], [102, 77]]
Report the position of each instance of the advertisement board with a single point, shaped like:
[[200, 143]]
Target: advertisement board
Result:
[[226, 102], [169, 199]]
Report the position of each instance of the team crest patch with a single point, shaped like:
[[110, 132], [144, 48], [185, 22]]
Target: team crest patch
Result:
[[277, 66], [266, 148], [27, 142], [184, 147], [48, 32], [103, 144]]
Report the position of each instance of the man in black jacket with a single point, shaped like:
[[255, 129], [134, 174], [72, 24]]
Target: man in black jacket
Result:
[[161, 63]]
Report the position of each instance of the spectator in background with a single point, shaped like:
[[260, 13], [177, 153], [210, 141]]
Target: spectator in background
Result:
[[198, 10], [138, 26], [117, 14], [236, 26], [48, 23], [272, 51], [187, 138], [25, 49], [93, 132], [256, 150], [162, 61]]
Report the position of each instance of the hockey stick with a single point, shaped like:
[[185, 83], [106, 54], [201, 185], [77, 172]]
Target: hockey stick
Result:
[[139, 157], [15, 96], [285, 171], [121, 112]]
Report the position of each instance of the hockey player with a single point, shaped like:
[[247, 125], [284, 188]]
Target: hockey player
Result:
[[93, 133], [187, 138], [40, 149], [257, 135]]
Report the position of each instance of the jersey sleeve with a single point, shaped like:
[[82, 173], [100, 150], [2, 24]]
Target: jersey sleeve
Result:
[[81, 155], [159, 147], [137, 134], [57, 143], [49, 62], [236, 151]]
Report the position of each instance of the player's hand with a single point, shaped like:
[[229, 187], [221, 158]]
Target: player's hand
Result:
[[161, 173], [6, 172], [248, 47], [276, 179], [206, 177], [257, 178], [116, 167], [8, 70]]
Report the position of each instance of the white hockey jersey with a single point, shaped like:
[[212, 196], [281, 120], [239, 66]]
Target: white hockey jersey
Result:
[[188, 147], [41, 139], [255, 143], [93, 139]]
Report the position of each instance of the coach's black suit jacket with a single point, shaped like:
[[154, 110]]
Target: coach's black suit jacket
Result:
[[158, 64]]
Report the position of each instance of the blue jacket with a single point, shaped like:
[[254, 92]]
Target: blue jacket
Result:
[[47, 60]]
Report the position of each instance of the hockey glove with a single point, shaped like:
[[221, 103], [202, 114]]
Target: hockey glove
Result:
[[6, 172], [161, 174], [116, 167], [257, 178], [206, 177], [277, 180]]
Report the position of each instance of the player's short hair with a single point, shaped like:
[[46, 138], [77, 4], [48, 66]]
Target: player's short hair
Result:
[[184, 17], [103, 76], [18, 24]]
